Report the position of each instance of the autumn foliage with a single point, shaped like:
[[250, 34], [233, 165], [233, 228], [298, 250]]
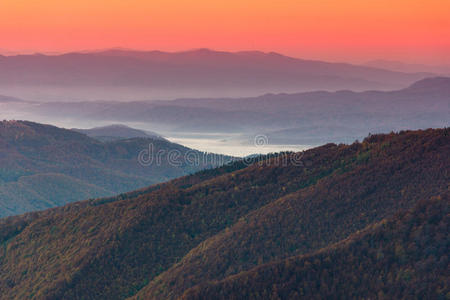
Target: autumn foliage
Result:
[[366, 220]]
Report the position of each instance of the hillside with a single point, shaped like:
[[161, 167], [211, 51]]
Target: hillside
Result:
[[42, 166], [363, 188], [162, 241], [402, 257]]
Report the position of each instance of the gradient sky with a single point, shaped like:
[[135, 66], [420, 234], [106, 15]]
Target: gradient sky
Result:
[[337, 30]]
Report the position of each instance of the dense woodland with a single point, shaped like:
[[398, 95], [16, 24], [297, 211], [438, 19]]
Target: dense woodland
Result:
[[253, 231], [402, 257], [42, 166]]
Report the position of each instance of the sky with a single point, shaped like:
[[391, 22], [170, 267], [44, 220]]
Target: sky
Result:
[[336, 30]]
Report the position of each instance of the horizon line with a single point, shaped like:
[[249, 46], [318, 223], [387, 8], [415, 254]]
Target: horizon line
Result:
[[13, 53]]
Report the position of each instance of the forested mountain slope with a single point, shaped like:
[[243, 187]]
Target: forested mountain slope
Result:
[[43, 166], [369, 181], [402, 257], [159, 242]]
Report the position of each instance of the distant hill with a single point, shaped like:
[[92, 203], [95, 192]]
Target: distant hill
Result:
[[354, 221], [117, 132], [43, 166], [135, 75], [436, 86]]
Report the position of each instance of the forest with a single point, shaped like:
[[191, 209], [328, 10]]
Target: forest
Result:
[[43, 166], [365, 220]]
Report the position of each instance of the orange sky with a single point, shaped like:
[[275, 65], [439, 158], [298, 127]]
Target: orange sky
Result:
[[350, 30]]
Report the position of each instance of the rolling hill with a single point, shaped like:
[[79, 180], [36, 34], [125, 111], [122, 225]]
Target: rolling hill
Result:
[[43, 166], [230, 231]]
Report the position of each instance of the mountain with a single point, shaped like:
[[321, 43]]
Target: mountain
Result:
[[400, 257], [117, 132], [408, 68], [132, 75], [43, 166], [310, 118], [194, 235]]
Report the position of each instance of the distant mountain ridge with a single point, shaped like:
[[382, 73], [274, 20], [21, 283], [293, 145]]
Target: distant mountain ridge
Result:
[[309, 118], [210, 73], [406, 67], [6, 99], [440, 85], [117, 132]]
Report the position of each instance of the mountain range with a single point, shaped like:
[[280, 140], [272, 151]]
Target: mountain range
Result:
[[44, 166], [148, 75], [365, 220], [310, 118]]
